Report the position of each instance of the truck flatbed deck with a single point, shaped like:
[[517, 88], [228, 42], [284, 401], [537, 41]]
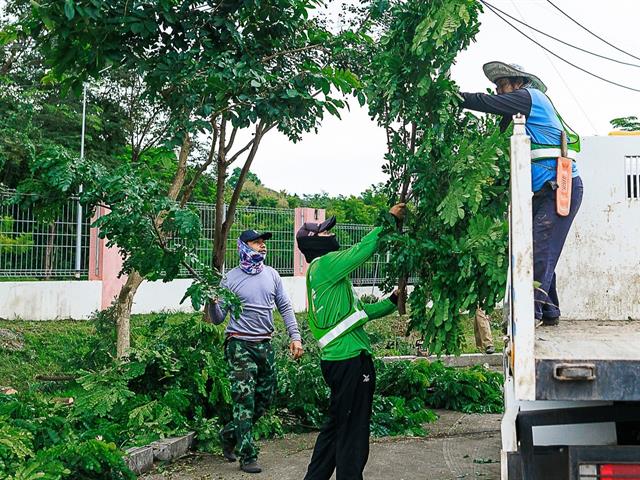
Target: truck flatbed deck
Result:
[[588, 360]]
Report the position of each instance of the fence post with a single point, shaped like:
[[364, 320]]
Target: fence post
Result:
[[105, 263], [303, 215], [78, 204], [96, 244]]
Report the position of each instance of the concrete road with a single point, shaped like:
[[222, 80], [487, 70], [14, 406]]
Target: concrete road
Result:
[[459, 446]]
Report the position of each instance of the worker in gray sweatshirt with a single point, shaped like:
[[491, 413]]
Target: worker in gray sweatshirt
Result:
[[248, 349]]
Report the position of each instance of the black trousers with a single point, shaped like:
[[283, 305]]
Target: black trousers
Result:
[[549, 234], [343, 443]]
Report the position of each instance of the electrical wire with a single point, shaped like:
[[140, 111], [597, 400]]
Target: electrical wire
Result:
[[558, 56], [569, 89], [590, 32], [560, 40]]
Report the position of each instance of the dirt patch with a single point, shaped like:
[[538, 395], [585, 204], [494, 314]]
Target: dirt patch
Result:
[[10, 340]]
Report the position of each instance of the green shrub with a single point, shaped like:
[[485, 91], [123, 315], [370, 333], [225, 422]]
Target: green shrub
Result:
[[473, 390], [37, 440]]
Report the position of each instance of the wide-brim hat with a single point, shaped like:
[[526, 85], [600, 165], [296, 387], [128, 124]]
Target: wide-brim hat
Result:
[[496, 70]]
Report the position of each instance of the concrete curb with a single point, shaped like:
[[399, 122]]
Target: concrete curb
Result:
[[465, 360], [140, 459]]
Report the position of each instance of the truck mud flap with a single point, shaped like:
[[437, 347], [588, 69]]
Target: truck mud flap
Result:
[[551, 463]]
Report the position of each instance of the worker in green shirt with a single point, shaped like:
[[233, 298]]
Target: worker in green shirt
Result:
[[336, 318]]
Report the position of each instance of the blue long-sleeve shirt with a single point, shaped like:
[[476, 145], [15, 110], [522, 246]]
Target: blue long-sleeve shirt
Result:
[[542, 124], [260, 294]]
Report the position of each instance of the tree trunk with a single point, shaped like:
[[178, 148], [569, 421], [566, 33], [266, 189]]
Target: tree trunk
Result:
[[124, 302], [122, 307], [404, 279]]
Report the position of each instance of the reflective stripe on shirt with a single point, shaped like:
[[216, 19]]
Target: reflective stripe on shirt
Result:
[[341, 327], [550, 153]]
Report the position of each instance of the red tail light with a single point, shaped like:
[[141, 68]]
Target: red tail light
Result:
[[620, 472]]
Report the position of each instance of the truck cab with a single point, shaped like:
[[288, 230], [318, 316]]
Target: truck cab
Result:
[[572, 391]]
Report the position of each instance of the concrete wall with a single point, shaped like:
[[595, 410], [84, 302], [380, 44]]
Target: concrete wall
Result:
[[598, 275], [156, 296], [79, 299], [49, 300]]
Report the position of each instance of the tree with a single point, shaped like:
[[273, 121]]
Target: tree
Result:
[[205, 71], [626, 124], [451, 167], [235, 176]]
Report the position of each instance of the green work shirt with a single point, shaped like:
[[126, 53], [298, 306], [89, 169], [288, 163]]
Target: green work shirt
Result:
[[332, 298]]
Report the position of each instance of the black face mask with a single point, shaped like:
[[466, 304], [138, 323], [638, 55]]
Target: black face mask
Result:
[[314, 247]]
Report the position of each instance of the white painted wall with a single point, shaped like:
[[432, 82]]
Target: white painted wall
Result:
[[49, 300], [157, 296], [599, 271], [296, 288], [79, 299]]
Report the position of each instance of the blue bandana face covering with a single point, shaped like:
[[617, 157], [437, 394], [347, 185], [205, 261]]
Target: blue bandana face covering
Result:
[[251, 262]]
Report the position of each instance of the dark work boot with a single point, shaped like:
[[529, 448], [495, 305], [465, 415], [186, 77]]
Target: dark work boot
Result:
[[251, 467], [228, 453], [550, 322], [228, 448]]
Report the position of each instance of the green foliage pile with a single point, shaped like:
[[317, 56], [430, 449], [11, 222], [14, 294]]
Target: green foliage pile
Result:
[[176, 381], [626, 124], [38, 439]]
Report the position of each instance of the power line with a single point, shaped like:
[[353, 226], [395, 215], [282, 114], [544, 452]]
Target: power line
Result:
[[560, 40], [586, 29], [569, 89], [558, 56]]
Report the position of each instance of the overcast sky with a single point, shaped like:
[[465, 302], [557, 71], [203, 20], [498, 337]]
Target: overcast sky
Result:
[[346, 156]]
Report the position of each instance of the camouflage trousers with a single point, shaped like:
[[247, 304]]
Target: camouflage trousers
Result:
[[253, 384]]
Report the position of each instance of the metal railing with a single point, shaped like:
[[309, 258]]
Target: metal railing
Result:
[[370, 273], [279, 221], [34, 248]]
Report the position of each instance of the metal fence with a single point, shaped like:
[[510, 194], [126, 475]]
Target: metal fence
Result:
[[34, 248], [279, 221], [370, 273]]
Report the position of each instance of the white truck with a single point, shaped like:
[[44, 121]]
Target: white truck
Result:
[[572, 392]]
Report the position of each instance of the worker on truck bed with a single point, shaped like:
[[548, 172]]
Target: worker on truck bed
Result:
[[336, 317], [522, 92]]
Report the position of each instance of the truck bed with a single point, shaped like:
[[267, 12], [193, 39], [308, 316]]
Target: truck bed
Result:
[[588, 360]]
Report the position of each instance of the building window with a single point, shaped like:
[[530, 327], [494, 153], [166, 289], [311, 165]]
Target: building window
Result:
[[632, 174]]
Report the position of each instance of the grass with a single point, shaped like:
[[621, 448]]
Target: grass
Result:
[[46, 349], [49, 345], [54, 347]]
